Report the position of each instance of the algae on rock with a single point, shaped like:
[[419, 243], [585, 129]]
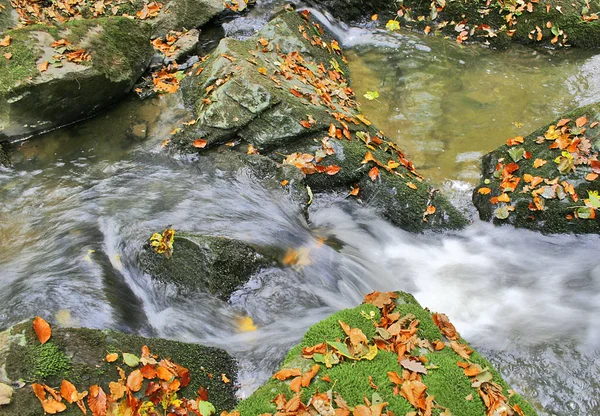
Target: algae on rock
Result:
[[282, 92], [524, 183], [354, 380], [78, 355]]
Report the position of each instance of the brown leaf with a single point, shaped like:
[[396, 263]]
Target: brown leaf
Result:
[[308, 352], [332, 169], [444, 324], [97, 401], [42, 329], [287, 373], [7, 55], [356, 335], [394, 377], [43, 66], [296, 384], [134, 381], [306, 124], [148, 371], [5, 41], [414, 366], [461, 349], [414, 392], [581, 121], [380, 299], [117, 391]]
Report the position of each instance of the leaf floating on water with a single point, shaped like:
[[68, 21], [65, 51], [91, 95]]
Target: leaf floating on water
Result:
[[245, 324], [42, 329], [371, 95]]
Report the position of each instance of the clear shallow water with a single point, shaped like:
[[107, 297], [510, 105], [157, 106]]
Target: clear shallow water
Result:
[[528, 302]]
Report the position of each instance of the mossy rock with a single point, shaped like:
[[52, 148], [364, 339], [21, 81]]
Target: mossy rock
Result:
[[280, 91], [445, 380], [78, 355], [4, 160], [217, 265], [558, 215], [32, 101], [567, 16]]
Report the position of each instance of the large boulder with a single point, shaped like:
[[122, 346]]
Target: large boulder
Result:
[[545, 23], [41, 91], [217, 265], [78, 355], [394, 355], [547, 181], [284, 94]]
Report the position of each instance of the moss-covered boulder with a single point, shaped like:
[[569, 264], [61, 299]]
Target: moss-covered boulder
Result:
[[544, 23], [547, 181], [78, 355], [44, 86], [217, 265], [393, 352], [284, 94]]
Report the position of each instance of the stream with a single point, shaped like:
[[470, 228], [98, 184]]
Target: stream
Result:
[[80, 202]]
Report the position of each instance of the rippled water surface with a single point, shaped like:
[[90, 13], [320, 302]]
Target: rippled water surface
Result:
[[79, 203]]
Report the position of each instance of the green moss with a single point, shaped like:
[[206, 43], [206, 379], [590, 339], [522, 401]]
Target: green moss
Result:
[[49, 361], [330, 330], [22, 65]]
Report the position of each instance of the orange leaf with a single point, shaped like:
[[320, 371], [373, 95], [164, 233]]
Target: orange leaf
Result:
[[5, 41], [68, 391], [563, 122], [513, 141], [594, 124], [284, 182], [461, 349], [427, 30], [225, 379], [117, 390], [308, 376], [97, 401], [332, 169], [438, 345], [591, 176], [581, 121], [374, 173], [164, 373], [296, 384], [484, 191], [148, 371], [134, 381], [444, 324], [7, 55], [43, 66], [368, 157], [305, 124], [472, 370], [411, 185], [504, 198], [394, 377], [111, 358], [262, 70], [42, 329], [287, 373], [332, 130], [354, 191], [200, 143], [430, 210], [538, 163], [326, 378]]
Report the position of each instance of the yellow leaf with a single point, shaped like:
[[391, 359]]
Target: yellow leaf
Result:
[[245, 324]]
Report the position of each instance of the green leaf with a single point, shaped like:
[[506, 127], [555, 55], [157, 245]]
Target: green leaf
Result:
[[555, 30], [341, 348], [516, 153], [206, 408], [376, 399], [336, 66], [594, 199], [372, 95], [392, 25], [131, 360], [584, 213], [502, 213]]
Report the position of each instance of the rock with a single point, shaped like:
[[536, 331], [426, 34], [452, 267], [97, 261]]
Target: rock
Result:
[[556, 197], [354, 381], [78, 355], [186, 45], [4, 160], [32, 101], [571, 24], [280, 92], [216, 265], [185, 14]]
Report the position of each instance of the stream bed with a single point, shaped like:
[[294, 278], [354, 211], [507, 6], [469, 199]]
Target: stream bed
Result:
[[80, 202]]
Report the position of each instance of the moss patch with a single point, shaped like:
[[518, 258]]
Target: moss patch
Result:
[[445, 380]]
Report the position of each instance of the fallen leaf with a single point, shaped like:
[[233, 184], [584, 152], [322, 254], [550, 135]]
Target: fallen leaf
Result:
[[200, 143], [332, 169], [8, 55], [444, 324], [262, 70], [245, 324], [5, 41], [591, 176], [42, 329], [287, 373], [354, 191], [6, 393], [112, 357], [412, 365], [374, 173], [308, 376], [411, 185], [130, 359], [581, 121], [97, 400], [134, 380], [538, 163], [461, 349], [484, 191], [43, 66]]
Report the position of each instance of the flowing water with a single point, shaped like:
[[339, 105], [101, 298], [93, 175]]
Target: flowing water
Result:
[[80, 202]]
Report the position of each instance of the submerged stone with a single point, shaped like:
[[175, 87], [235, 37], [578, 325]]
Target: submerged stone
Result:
[[78, 355], [431, 362], [39, 92], [216, 265], [284, 92], [547, 181]]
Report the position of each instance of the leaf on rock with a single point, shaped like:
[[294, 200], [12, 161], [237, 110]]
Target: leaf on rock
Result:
[[374, 173], [415, 366], [42, 329], [287, 373], [6, 393], [130, 359], [200, 143], [97, 400], [380, 299], [112, 357], [444, 324]]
